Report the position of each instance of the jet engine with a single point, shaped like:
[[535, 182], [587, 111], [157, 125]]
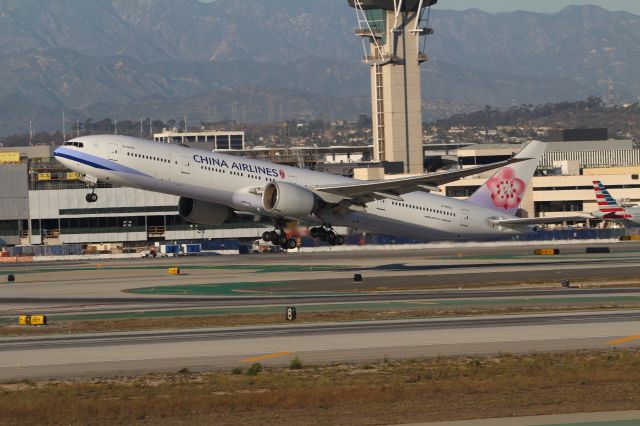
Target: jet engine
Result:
[[203, 212], [288, 200]]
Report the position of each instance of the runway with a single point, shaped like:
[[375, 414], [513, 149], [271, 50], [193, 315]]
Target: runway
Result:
[[422, 280], [132, 352]]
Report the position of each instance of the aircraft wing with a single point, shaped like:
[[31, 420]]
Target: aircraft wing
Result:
[[366, 191], [539, 220]]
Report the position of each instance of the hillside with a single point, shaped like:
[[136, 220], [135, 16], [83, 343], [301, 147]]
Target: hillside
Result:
[[126, 58]]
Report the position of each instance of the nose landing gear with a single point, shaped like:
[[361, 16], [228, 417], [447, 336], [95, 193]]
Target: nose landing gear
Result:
[[327, 234], [92, 197]]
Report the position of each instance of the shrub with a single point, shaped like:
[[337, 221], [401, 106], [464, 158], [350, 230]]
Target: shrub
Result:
[[236, 371], [295, 364], [254, 369]]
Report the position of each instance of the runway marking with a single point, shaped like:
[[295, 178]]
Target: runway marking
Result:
[[263, 357], [622, 340]]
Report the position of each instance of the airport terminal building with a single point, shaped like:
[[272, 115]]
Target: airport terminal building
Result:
[[41, 203]]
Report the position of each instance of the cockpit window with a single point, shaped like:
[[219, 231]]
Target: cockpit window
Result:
[[76, 144]]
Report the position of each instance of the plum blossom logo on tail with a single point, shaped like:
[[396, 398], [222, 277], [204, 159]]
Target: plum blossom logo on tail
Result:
[[282, 175], [506, 189]]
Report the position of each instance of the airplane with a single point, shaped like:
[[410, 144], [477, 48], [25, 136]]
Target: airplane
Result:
[[609, 209], [212, 186]]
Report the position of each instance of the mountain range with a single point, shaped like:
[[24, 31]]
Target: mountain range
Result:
[[268, 60]]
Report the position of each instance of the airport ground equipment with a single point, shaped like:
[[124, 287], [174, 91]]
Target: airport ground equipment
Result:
[[174, 271], [170, 249], [191, 249], [11, 278], [357, 278]]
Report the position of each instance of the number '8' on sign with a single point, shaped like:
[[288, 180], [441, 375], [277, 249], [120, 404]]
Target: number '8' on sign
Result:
[[291, 314]]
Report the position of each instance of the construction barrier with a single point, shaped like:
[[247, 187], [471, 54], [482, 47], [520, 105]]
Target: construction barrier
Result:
[[174, 271], [32, 320], [598, 250], [546, 252], [19, 259]]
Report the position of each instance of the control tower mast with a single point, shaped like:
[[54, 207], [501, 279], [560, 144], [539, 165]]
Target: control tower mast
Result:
[[393, 34]]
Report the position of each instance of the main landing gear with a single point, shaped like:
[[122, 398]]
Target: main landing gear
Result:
[[92, 197], [327, 234], [279, 238]]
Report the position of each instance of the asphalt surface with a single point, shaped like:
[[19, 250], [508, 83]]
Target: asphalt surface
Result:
[[134, 352], [485, 274]]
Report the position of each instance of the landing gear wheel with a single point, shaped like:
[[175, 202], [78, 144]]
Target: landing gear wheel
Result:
[[322, 234], [291, 244], [92, 197], [331, 237], [339, 240], [266, 236], [314, 232]]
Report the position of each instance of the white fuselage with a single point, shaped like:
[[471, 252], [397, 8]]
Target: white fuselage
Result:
[[237, 182]]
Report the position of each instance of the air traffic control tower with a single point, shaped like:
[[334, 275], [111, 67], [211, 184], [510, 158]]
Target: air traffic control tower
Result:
[[393, 34]]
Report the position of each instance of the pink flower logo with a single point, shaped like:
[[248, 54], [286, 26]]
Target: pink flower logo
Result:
[[282, 175], [506, 189]]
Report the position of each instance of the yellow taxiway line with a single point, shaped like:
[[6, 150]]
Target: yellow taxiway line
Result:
[[263, 357], [622, 340]]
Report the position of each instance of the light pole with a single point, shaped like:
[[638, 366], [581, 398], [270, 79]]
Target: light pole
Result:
[[127, 224]]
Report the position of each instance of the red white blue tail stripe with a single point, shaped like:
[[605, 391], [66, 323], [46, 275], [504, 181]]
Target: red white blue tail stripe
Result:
[[606, 203]]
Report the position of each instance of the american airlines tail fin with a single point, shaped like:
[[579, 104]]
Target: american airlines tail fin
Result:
[[503, 191], [606, 203]]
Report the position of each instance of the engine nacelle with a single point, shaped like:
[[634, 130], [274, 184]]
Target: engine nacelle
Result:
[[203, 212], [288, 200]]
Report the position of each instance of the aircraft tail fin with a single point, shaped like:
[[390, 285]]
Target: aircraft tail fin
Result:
[[504, 190], [605, 201]]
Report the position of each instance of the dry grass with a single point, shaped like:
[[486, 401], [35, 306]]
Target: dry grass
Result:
[[386, 392], [165, 323]]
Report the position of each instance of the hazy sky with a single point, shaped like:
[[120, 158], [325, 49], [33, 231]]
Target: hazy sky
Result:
[[545, 6], [537, 5]]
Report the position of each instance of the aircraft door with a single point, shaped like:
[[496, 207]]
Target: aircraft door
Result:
[[186, 165], [113, 151], [380, 204], [465, 217]]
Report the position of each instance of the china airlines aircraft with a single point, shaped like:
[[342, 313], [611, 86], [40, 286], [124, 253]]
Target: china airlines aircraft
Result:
[[212, 186]]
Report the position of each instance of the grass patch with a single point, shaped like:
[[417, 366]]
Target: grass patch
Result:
[[433, 389]]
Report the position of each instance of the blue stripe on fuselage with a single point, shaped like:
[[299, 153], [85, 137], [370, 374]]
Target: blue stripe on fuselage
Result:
[[94, 161]]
